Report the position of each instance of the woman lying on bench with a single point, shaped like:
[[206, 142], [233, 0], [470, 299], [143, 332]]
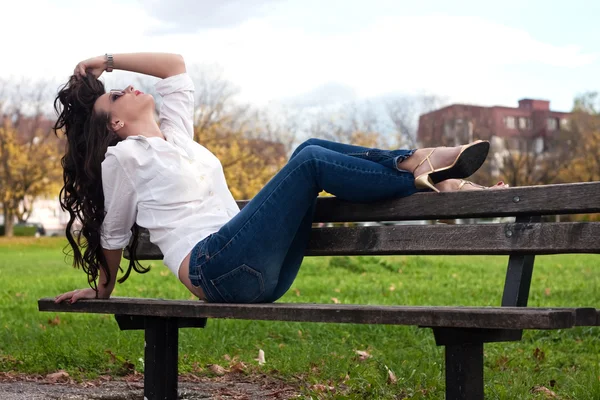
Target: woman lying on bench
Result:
[[123, 169]]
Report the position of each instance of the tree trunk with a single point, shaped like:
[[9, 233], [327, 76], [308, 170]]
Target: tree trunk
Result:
[[8, 221]]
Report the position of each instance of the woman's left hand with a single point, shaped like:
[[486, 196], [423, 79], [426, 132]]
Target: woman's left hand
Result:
[[94, 65], [75, 295]]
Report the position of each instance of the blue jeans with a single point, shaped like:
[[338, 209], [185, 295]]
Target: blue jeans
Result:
[[255, 257]]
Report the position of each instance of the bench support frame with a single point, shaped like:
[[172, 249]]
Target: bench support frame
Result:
[[464, 347], [161, 351]]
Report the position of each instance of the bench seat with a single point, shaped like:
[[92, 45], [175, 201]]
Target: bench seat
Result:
[[451, 317]]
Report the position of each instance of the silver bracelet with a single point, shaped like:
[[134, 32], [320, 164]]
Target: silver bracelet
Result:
[[109, 62]]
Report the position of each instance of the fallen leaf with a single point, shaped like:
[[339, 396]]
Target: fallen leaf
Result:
[[60, 376], [502, 362], [362, 355], [539, 354], [112, 355], [54, 321], [217, 369], [337, 290], [299, 333], [227, 357], [296, 291], [544, 390], [321, 388], [238, 367], [391, 376], [261, 357], [547, 291], [392, 287], [196, 367], [164, 273], [335, 300]]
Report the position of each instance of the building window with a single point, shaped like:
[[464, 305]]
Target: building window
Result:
[[552, 124], [509, 122], [524, 123], [538, 145], [564, 123]]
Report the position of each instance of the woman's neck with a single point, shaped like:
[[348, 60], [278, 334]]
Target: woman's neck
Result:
[[147, 128]]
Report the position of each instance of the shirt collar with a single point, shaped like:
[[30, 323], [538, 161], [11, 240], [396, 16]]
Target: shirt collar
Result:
[[142, 139]]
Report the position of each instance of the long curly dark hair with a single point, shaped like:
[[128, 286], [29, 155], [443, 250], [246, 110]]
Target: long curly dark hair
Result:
[[88, 137]]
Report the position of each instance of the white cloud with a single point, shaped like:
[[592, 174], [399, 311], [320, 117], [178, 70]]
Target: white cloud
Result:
[[189, 16], [459, 56], [467, 58]]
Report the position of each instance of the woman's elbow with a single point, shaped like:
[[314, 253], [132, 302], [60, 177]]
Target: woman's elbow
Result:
[[178, 64]]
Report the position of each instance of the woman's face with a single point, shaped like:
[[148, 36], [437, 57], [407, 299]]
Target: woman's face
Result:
[[127, 106]]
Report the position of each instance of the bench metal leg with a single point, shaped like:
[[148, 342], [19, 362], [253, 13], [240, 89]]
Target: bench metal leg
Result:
[[464, 371], [160, 361]]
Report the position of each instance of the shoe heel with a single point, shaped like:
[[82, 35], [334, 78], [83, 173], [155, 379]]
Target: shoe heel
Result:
[[424, 182]]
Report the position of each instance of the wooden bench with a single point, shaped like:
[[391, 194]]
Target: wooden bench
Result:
[[462, 330]]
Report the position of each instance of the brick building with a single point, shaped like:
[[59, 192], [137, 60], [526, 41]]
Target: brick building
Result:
[[461, 123]]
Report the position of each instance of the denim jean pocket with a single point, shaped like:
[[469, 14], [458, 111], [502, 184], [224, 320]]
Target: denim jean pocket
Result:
[[241, 285]]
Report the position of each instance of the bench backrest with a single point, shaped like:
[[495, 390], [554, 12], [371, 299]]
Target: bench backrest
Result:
[[525, 235]]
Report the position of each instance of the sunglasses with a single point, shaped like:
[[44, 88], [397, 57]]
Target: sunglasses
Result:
[[114, 94]]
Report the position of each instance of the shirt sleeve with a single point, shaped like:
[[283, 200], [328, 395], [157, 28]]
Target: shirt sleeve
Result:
[[177, 108], [120, 205]]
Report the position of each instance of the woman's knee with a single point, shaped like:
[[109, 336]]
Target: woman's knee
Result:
[[309, 152], [306, 143]]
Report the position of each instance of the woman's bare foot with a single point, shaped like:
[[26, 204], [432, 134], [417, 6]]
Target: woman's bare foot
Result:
[[453, 185], [441, 157]]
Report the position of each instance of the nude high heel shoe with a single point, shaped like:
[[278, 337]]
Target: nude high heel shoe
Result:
[[467, 162]]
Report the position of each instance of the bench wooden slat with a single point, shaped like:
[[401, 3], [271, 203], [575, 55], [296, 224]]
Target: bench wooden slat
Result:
[[572, 198], [488, 239], [459, 317], [587, 317]]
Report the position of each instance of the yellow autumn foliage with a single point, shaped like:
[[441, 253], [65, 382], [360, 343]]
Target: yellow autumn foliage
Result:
[[248, 163], [29, 168]]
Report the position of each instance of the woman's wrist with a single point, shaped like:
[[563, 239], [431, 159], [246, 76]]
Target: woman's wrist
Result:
[[103, 60]]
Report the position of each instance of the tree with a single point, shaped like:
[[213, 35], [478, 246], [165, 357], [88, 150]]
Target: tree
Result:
[[585, 135], [404, 113], [535, 160], [352, 124], [29, 153], [28, 169]]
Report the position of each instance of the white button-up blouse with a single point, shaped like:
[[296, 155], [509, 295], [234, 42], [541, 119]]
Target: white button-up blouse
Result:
[[175, 188]]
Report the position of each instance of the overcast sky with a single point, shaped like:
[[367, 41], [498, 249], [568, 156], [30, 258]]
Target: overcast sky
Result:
[[282, 49]]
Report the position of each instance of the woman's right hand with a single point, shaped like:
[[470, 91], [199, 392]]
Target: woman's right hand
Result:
[[74, 295], [94, 65]]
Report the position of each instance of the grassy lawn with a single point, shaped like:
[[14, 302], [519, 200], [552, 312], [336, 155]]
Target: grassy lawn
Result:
[[566, 362]]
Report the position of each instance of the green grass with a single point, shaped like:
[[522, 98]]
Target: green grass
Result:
[[565, 361]]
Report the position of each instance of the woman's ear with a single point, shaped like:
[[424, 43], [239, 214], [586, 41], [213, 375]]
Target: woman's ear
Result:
[[116, 125]]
